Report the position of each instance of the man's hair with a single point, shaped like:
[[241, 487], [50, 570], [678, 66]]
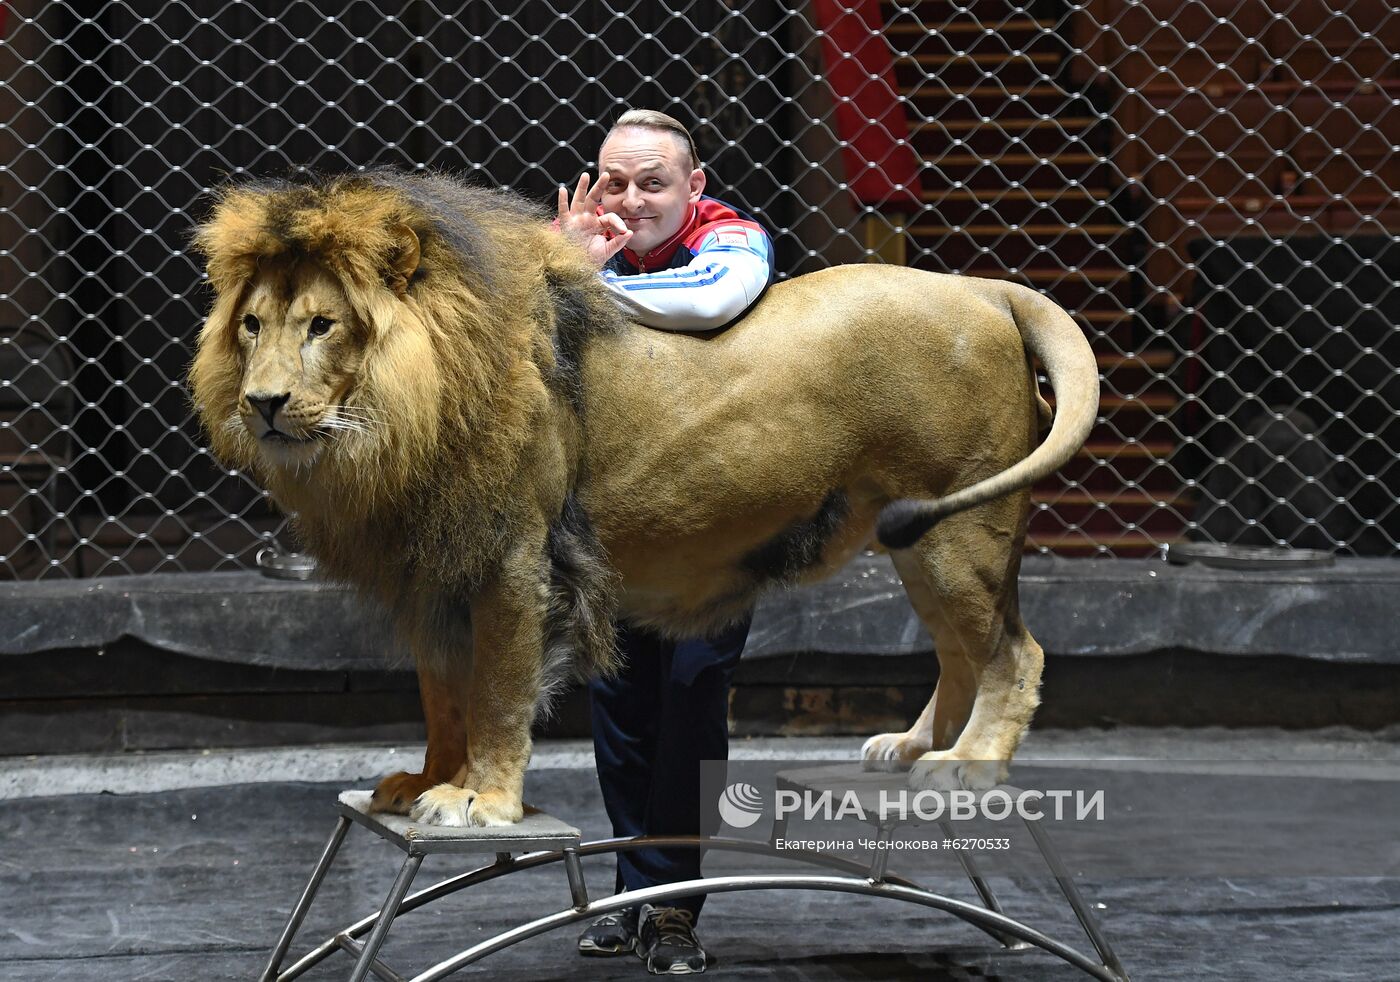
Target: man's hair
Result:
[[652, 119]]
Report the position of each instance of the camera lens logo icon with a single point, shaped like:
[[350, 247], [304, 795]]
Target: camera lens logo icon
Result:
[[740, 805]]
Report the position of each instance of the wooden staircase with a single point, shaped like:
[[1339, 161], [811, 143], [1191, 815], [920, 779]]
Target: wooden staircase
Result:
[[1017, 186]]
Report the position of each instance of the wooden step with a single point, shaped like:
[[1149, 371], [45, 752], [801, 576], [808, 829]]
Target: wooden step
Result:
[[1100, 520], [1147, 417], [948, 100], [1037, 194], [998, 247], [1076, 498], [1111, 451], [1111, 465], [973, 160], [998, 60], [1105, 316], [1300, 208], [1080, 289], [1155, 359], [1069, 124], [1020, 206], [968, 133], [1003, 96], [1225, 91], [28, 460], [1157, 402], [1020, 24], [1031, 230], [1137, 373]]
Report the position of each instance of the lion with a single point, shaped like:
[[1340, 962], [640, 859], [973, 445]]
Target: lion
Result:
[[440, 390]]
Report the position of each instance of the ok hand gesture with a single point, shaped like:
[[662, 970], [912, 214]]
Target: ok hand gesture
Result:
[[602, 235]]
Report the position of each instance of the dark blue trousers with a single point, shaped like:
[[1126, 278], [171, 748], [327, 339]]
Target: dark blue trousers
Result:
[[653, 724]]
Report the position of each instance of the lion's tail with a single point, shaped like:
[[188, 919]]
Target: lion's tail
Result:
[[1054, 337]]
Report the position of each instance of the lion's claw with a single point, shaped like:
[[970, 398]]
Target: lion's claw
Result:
[[396, 793], [890, 752]]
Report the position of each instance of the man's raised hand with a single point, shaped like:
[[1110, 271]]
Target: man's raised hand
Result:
[[602, 235]]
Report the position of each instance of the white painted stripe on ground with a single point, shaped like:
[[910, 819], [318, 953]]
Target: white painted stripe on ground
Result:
[[141, 773], [1201, 750]]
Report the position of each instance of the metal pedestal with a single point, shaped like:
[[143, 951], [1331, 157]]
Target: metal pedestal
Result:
[[541, 839]]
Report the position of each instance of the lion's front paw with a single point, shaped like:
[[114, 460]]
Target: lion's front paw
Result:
[[890, 752], [444, 804], [455, 807], [496, 808], [937, 771], [397, 792]]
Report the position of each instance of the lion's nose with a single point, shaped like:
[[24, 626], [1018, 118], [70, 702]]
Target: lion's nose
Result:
[[267, 405]]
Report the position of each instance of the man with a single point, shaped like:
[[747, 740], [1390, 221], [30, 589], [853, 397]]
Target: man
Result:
[[678, 261]]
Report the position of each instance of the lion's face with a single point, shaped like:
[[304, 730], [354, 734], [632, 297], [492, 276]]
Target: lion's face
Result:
[[335, 348], [301, 346]]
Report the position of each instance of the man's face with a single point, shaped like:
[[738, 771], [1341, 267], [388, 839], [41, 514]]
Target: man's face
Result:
[[650, 186]]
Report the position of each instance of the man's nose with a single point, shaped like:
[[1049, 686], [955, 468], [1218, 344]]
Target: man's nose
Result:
[[267, 405], [631, 198]]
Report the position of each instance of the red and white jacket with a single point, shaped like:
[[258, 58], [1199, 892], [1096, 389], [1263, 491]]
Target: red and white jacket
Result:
[[702, 278]]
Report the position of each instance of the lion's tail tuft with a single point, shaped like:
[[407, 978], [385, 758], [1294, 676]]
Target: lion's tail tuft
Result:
[[904, 522]]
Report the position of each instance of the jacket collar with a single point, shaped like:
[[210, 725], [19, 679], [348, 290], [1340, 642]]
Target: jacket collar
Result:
[[661, 254]]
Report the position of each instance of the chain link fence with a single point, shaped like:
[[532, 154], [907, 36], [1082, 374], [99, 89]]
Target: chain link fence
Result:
[[1210, 186]]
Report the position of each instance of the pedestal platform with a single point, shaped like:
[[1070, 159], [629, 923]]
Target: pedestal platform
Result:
[[540, 839]]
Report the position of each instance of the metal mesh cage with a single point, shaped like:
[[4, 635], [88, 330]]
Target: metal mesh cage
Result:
[[1208, 185]]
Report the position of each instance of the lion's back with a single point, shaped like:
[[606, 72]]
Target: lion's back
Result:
[[873, 322]]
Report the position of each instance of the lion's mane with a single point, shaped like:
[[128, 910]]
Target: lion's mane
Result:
[[459, 373]]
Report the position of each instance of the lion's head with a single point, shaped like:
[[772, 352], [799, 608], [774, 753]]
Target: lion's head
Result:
[[364, 325], [300, 345], [382, 343]]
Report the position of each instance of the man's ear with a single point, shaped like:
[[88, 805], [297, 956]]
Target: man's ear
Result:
[[403, 261], [697, 184]]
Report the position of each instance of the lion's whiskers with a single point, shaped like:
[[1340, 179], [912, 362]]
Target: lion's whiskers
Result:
[[349, 420], [361, 413], [345, 425], [367, 411]]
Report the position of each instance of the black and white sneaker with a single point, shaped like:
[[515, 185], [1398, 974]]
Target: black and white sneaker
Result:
[[611, 934], [666, 941]]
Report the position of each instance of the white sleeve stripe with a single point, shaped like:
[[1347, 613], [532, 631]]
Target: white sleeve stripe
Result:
[[687, 284], [662, 275], [717, 287]]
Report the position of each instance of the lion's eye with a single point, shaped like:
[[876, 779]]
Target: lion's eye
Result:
[[320, 326], [250, 324]]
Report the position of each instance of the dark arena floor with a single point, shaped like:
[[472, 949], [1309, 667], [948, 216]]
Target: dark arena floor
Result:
[[191, 881]]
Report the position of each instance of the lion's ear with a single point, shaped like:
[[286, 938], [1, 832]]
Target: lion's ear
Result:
[[403, 262]]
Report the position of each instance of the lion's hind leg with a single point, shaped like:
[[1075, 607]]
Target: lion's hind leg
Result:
[[989, 665], [947, 711]]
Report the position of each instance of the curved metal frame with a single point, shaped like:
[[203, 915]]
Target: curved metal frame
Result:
[[868, 881]]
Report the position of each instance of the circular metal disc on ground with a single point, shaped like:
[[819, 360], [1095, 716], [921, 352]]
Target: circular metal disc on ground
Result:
[[1246, 557]]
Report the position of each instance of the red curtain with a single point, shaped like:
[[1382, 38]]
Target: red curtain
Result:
[[881, 167]]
